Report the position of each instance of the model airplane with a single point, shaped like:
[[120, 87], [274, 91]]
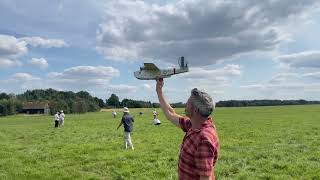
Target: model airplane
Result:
[[150, 71]]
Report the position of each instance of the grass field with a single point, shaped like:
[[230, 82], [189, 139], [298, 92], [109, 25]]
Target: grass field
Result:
[[256, 143]]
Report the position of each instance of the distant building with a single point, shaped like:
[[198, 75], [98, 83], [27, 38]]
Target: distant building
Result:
[[36, 108]]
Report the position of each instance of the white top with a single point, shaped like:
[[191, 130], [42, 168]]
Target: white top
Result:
[[56, 117], [156, 121], [114, 113], [62, 116]]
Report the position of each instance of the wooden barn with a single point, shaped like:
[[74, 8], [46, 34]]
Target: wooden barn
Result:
[[36, 108]]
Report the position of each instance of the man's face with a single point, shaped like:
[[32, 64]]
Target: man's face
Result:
[[188, 109]]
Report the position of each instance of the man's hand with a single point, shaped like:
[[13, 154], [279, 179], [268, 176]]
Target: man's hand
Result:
[[160, 83]]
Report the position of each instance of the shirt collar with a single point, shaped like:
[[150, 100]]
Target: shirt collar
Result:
[[207, 123]]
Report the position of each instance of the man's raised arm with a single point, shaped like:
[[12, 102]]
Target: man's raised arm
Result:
[[165, 106]]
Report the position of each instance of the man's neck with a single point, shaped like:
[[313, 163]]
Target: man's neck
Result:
[[198, 121]]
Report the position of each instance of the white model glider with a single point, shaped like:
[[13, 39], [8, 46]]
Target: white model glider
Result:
[[150, 71]]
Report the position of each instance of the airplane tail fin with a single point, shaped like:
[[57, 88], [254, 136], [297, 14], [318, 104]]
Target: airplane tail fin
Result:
[[183, 64]]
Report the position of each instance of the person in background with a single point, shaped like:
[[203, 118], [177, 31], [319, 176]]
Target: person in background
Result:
[[156, 122], [56, 119], [61, 118], [127, 121], [155, 114], [114, 114]]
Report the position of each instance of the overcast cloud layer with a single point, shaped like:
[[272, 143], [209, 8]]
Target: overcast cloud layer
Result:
[[203, 31]]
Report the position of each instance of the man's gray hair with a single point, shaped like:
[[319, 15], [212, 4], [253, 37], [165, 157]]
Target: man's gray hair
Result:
[[202, 101]]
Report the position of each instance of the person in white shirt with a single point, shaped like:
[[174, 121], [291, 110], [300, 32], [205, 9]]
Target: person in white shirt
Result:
[[114, 114], [155, 114], [156, 122], [61, 117], [56, 119]]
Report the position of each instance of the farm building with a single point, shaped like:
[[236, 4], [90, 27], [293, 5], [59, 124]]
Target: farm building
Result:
[[36, 108]]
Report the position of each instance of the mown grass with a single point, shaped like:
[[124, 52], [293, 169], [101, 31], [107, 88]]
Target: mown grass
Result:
[[256, 143]]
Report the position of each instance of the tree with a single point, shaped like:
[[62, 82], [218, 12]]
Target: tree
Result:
[[4, 96], [99, 102], [113, 101]]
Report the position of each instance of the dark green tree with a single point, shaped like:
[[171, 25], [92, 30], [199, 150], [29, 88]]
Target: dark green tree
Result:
[[113, 101]]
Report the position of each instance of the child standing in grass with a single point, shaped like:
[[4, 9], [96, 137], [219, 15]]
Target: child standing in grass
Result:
[[127, 121]]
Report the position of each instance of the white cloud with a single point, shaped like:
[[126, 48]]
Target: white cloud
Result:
[[46, 43], [5, 63], [147, 87], [89, 78], [203, 31], [39, 62], [283, 77], [11, 46], [83, 77], [313, 75], [122, 89], [23, 77], [287, 83], [88, 72], [229, 70], [307, 59], [283, 88]]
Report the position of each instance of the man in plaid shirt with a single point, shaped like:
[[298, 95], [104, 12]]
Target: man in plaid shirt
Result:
[[200, 146]]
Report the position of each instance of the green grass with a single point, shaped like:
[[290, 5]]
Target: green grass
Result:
[[256, 143]]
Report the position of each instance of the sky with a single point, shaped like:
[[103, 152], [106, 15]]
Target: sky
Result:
[[236, 50]]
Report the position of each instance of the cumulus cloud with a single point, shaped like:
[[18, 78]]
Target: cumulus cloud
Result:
[[122, 89], [283, 77], [39, 62], [5, 63], [288, 82], [313, 75], [23, 77], [88, 72], [203, 31], [229, 70], [11, 46], [84, 76], [46, 43], [10, 49], [307, 59], [284, 88]]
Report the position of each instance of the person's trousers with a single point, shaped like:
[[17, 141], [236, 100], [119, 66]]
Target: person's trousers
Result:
[[56, 123], [127, 140], [62, 122]]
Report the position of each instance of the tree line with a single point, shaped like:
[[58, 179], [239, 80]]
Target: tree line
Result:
[[82, 102], [68, 101], [114, 102]]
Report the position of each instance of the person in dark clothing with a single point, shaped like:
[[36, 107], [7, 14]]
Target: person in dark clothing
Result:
[[127, 121], [56, 119]]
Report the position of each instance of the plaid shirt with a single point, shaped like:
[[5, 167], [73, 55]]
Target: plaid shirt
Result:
[[199, 150]]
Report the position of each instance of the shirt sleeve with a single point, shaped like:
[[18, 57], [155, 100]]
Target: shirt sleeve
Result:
[[204, 158], [185, 124]]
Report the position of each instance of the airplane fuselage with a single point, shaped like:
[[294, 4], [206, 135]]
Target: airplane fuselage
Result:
[[151, 75]]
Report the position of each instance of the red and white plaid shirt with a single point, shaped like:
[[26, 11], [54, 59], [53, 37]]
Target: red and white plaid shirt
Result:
[[199, 150]]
